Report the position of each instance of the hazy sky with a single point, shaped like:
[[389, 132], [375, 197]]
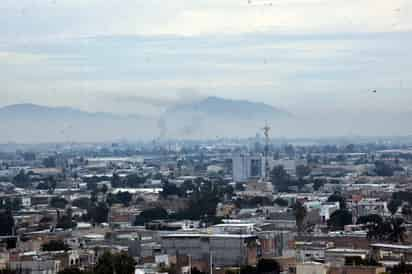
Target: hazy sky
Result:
[[136, 56]]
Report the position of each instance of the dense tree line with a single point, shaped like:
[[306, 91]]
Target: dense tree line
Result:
[[339, 219], [65, 221], [55, 245], [401, 198], [385, 169], [283, 182], [124, 198], [264, 266], [337, 197], [300, 213], [151, 214], [202, 198], [108, 263], [7, 223], [22, 179], [58, 202], [203, 201], [9, 203], [132, 180]]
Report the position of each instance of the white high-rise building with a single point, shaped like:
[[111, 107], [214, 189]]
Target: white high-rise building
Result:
[[247, 167]]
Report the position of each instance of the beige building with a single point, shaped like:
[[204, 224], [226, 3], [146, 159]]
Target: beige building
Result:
[[311, 268]]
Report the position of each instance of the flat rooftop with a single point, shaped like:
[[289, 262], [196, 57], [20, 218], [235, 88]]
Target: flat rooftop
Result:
[[402, 247], [198, 235]]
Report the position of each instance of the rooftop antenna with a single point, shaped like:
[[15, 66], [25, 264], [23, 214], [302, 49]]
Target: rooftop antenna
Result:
[[266, 131]]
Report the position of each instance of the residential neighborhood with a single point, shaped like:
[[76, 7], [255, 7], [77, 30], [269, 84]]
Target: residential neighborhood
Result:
[[207, 208]]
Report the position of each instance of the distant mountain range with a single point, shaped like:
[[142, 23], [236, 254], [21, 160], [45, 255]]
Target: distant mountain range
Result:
[[30, 123], [207, 118], [214, 106], [215, 116]]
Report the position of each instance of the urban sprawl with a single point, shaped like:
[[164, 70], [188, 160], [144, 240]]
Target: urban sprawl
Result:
[[223, 206]]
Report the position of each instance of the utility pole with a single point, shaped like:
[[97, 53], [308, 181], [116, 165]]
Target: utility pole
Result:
[[190, 264], [211, 262]]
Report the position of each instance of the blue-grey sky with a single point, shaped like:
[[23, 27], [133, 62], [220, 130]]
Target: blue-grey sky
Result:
[[133, 56]]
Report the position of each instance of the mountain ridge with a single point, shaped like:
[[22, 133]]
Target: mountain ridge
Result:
[[216, 105], [207, 118]]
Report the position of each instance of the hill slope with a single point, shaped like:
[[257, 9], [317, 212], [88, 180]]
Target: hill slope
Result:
[[208, 118], [215, 116], [28, 123]]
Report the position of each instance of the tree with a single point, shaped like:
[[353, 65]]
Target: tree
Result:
[[93, 196], [397, 232], [43, 186], [49, 162], [394, 205], [350, 148], [58, 202], [92, 186], [115, 264], [45, 220], [379, 230], [281, 202], [407, 210], [290, 150], [187, 187], [55, 246], [339, 219], [268, 266], [258, 201], [239, 187], [170, 190], [29, 156], [16, 204], [134, 180], [104, 189], [404, 196], [280, 178], [123, 264], [8, 271], [99, 213], [203, 201], [121, 197], [116, 181], [157, 176], [22, 179], [7, 223], [355, 260], [73, 270], [402, 268], [336, 197], [66, 221], [83, 203], [9, 203], [370, 219], [318, 183], [124, 197], [148, 215], [194, 270], [172, 269], [299, 210], [104, 264], [248, 270], [302, 171], [383, 169], [51, 182]]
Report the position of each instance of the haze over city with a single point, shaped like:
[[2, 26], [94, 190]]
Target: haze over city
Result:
[[313, 59], [205, 137]]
